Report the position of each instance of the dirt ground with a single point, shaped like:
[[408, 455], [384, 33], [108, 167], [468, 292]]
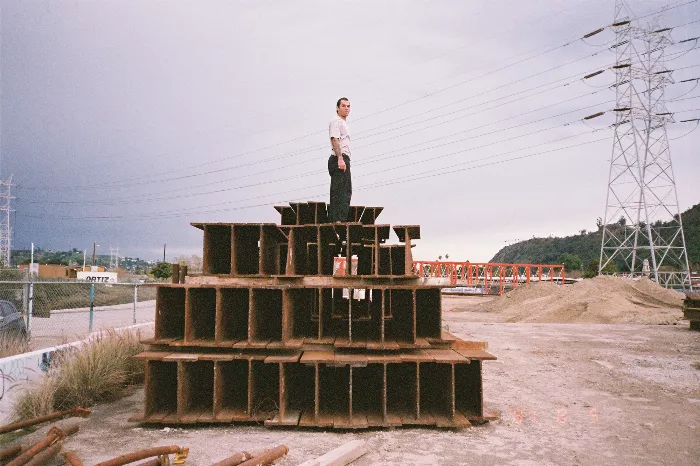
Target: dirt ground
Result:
[[568, 394]]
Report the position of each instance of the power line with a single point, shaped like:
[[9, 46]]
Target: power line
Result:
[[196, 210], [143, 198], [150, 181], [564, 44], [403, 150], [431, 159], [149, 199], [380, 184], [436, 157], [366, 145]]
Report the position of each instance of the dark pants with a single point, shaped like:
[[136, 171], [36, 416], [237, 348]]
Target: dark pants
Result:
[[341, 189]]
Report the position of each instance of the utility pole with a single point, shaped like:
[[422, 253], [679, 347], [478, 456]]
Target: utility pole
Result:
[[642, 219], [5, 225], [164, 252], [94, 249]]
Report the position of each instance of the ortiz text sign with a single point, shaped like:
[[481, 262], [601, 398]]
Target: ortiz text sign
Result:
[[98, 277]]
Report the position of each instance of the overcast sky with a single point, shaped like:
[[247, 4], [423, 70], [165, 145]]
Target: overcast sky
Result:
[[123, 121]]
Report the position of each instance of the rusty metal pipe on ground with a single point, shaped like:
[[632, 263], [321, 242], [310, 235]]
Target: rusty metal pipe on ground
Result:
[[52, 436], [45, 456], [49, 417], [10, 452], [235, 459], [163, 460], [141, 455], [73, 458], [266, 456]]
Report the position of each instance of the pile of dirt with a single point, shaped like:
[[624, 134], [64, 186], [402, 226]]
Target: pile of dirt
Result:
[[603, 300]]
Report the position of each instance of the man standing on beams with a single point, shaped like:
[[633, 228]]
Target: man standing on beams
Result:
[[339, 163]]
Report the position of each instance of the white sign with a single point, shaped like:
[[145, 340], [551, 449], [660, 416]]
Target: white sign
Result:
[[98, 277]]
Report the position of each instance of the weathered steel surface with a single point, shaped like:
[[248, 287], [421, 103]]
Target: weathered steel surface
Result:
[[432, 387], [267, 456], [141, 454], [360, 316], [273, 315], [52, 436], [81, 412], [691, 309], [72, 458]]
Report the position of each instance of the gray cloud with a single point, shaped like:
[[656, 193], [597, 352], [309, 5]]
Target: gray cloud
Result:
[[101, 100]]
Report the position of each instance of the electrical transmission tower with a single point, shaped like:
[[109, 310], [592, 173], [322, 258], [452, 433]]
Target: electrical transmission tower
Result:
[[113, 259], [642, 227], [5, 226]]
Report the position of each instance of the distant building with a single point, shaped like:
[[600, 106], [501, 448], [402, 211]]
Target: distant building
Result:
[[56, 271]]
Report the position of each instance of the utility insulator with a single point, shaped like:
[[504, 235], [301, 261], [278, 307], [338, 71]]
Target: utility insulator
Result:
[[688, 40], [621, 83], [619, 44], [664, 72], [591, 34], [623, 109], [595, 115], [654, 50], [620, 123], [593, 74], [661, 30], [621, 23], [688, 80], [617, 67], [692, 119], [664, 114]]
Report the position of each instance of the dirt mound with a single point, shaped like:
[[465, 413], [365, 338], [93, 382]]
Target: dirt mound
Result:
[[604, 300]]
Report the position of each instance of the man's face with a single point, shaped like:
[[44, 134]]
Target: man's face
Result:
[[344, 109]]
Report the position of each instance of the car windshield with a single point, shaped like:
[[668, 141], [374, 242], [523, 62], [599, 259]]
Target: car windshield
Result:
[[6, 310]]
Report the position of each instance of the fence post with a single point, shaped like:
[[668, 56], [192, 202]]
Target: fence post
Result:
[[30, 309], [25, 297], [92, 304], [136, 298]]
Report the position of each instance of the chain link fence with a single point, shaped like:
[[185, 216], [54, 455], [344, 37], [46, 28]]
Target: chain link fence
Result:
[[41, 314]]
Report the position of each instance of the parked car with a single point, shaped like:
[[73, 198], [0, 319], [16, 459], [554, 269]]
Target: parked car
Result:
[[11, 320]]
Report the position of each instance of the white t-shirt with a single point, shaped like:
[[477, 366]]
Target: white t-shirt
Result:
[[338, 128]]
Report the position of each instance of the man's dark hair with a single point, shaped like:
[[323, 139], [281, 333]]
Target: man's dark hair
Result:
[[337, 104]]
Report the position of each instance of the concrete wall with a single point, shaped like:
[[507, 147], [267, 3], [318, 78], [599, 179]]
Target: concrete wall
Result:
[[20, 371]]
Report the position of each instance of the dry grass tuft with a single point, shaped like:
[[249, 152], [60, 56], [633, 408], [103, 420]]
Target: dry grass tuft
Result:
[[94, 372], [12, 343], [35, 401]]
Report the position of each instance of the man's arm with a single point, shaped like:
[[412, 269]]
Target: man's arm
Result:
[[338, 154]]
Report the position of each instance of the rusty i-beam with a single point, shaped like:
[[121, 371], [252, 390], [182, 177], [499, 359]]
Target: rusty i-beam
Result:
[[270, 316]]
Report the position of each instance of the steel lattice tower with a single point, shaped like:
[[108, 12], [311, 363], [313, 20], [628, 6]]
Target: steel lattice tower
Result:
[[642, 227], [5, 226], [113, 259]]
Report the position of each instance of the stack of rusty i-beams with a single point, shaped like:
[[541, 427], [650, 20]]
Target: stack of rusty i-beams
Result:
[[271, 332], [691, 309]]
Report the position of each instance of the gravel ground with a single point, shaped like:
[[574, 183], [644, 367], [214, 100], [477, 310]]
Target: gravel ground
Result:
[[568, 394]]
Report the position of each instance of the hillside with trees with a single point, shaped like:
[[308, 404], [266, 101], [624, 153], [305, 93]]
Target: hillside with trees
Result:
[[584, 248]]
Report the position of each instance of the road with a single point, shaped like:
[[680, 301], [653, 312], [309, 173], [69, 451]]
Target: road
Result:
[[67, 325]]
